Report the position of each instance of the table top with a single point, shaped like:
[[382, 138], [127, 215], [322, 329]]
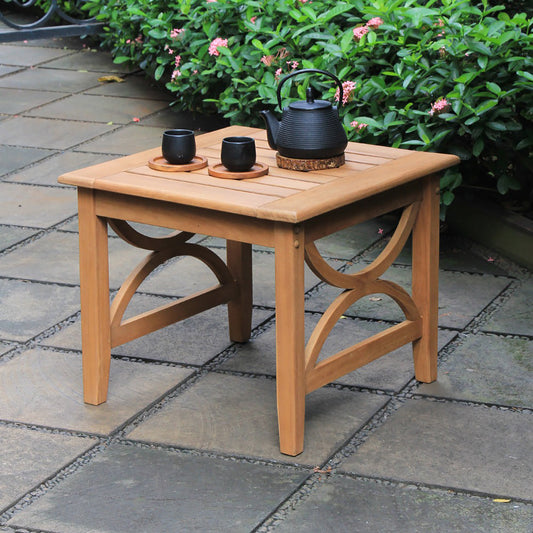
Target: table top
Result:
[[281, 195]]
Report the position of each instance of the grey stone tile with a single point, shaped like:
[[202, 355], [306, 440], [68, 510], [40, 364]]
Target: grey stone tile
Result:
[[91, 108], [451, 257], [88, 59], [30, 457], [45, 388], [125, 141], [47, 172], [134, 86], [516, 314], [464, 447], [188, 275], [24, 56], [349, 242], [46, 79], [487, 369], [66, 43], [48, 133], [366, 506], [135, 489], [174, 118], [11, 235], [195, 340], [13, 101], [55, 257], [39, 207], [462, 296], [29, 308], [13, 157], [5, 347], [4, 70], [232, 414], [390, 372]]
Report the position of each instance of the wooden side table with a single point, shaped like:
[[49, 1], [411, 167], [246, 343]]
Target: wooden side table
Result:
[[285, 210]]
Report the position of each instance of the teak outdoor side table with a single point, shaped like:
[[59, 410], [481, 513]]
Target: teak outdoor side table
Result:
[[285, 210]]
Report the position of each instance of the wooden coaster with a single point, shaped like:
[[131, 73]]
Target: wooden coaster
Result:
[[220, 171], [306, 165], [160, 163]]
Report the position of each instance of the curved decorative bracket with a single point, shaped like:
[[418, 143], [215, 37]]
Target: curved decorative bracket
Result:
[[363, 283], [164, 248]]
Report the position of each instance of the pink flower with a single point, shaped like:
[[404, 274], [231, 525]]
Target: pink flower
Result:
[[358, 125], [293, 64], [440, 106], [175, 33], [278, 73], [177, 60], [348, 87], [136, 119], [360, 31], [253, 19], [216, 43], [267, 60], [375, 22], [210, 1], [175, 74]]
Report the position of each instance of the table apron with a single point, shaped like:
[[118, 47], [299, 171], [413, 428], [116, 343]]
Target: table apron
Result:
[[229, 226]]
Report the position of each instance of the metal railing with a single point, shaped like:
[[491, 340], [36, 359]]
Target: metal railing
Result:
[[18, 20]]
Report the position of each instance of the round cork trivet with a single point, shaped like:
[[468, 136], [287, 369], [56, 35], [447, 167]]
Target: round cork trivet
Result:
[[306, 165], [220, 171]]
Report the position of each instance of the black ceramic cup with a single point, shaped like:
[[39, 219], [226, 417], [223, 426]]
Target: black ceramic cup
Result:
[[179, 146], [238, 153]]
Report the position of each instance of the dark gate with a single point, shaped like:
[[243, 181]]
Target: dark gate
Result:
[[26, 19]]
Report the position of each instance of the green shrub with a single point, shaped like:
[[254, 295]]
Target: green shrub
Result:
[[451, 75]]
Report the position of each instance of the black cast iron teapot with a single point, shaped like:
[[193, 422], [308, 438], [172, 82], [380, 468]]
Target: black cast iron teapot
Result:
[[308, 129]]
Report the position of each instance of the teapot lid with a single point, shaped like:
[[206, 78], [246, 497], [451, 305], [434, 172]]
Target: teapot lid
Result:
[[310, 103]]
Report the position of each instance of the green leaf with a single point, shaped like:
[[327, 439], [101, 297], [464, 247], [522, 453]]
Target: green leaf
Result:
[[478, 147], [121, 59], [157, 33], [467, 77], [482, 61], [493, 87], [525, 74], [447, 197], [480, 48], [485, 106], [497, 126], [159, 71]]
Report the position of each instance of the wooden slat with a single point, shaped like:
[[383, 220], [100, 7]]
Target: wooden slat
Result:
[[201, 177]]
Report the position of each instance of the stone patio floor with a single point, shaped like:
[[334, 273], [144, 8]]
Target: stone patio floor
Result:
[[188, 438]]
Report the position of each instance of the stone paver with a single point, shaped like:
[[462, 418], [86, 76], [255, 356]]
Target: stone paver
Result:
[[29, 457], [54, 258], [21, 55], [29, 308], [13, 101], [134, 86], [92, 108], [233, 414], [91, 60], [465, 447], [47, 172], [344, 504], [391, 372], [24, 205], [45, 387], [515, 315], [52, 80], [461, 297], [487, 369], [194, 341], [129, 489], [128, 140], [10, 235], [49, 133], [14, 157]]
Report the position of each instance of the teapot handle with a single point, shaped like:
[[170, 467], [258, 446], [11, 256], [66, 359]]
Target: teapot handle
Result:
[[337, 81]]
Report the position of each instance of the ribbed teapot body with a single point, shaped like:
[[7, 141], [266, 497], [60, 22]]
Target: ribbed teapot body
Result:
[[311, 134]]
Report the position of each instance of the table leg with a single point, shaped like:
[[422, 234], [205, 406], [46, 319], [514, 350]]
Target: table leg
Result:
[[94, 290], [239, 260], [290, 341], [426, 279]]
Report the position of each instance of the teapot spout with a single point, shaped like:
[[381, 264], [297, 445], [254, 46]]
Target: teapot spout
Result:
[[272, 124]]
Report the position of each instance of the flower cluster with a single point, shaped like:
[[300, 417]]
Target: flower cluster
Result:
[[440, 106], [175, 33], [373, 23], [215, 43], [348, 88], [358, 125]]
